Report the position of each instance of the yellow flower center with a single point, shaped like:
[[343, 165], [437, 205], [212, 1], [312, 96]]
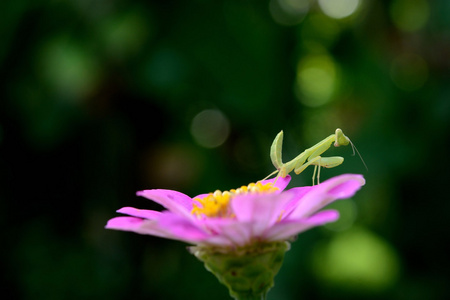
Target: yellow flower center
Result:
[[217, 204]]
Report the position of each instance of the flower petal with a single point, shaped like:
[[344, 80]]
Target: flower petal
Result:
[[140, 213], [286, 229], [174, 201], [339, 187], [261, 211], [298, 194], [136, 225], [181, 228], [168, 225], [201, 196], [279, 182], [232, 232], [124, 223]]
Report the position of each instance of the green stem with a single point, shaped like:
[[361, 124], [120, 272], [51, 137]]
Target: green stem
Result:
[[248, 272]]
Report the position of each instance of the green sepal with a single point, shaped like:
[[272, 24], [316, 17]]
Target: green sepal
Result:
[[248, 272]]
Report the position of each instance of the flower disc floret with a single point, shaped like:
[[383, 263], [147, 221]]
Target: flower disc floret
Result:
[[217, 204]]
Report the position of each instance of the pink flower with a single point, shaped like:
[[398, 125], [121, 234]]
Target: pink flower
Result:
[[261, 212]]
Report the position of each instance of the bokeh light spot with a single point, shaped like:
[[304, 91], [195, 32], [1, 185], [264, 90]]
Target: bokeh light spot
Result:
[[316, 80], [289, 12], [69, 68], [357, 260], [125, 33], [210, 128], [410, 15], [338, 9], [409, 71]]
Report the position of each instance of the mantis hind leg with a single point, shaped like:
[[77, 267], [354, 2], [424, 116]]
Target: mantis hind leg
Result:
[[316, 169], [319, 161], [316, 161]]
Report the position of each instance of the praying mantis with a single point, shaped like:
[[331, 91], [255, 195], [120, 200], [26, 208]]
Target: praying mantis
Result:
[[310, 156]]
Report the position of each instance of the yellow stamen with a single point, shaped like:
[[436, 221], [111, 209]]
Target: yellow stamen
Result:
[[217, 204]]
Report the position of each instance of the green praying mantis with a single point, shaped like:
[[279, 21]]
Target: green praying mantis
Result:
[[311, 156]]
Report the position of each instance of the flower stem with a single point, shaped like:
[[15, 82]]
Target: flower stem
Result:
[[247, 272]]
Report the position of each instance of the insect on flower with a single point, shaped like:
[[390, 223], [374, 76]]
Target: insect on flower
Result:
[[312, 155]]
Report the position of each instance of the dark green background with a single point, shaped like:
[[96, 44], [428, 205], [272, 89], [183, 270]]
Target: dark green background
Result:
[[97, 102]]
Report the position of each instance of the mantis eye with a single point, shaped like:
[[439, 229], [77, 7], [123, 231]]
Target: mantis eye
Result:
[[341, 139]]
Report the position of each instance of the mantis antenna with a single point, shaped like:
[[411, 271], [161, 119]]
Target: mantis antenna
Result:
[[362, 160]]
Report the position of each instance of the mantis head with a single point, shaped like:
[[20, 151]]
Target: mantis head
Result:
[[341, 139]]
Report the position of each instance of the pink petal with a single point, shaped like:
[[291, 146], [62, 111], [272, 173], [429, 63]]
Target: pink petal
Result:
[[216, 240], [201, 196], [298, 194], [169, 226], [140, 213], [279, 182], [261, 211], [124, 223], [182, 228], [232, 232], [286, 229], [174, 201], [339, 187], [136, 225]]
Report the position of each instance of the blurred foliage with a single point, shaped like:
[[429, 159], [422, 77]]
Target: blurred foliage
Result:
[[101, 98]]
